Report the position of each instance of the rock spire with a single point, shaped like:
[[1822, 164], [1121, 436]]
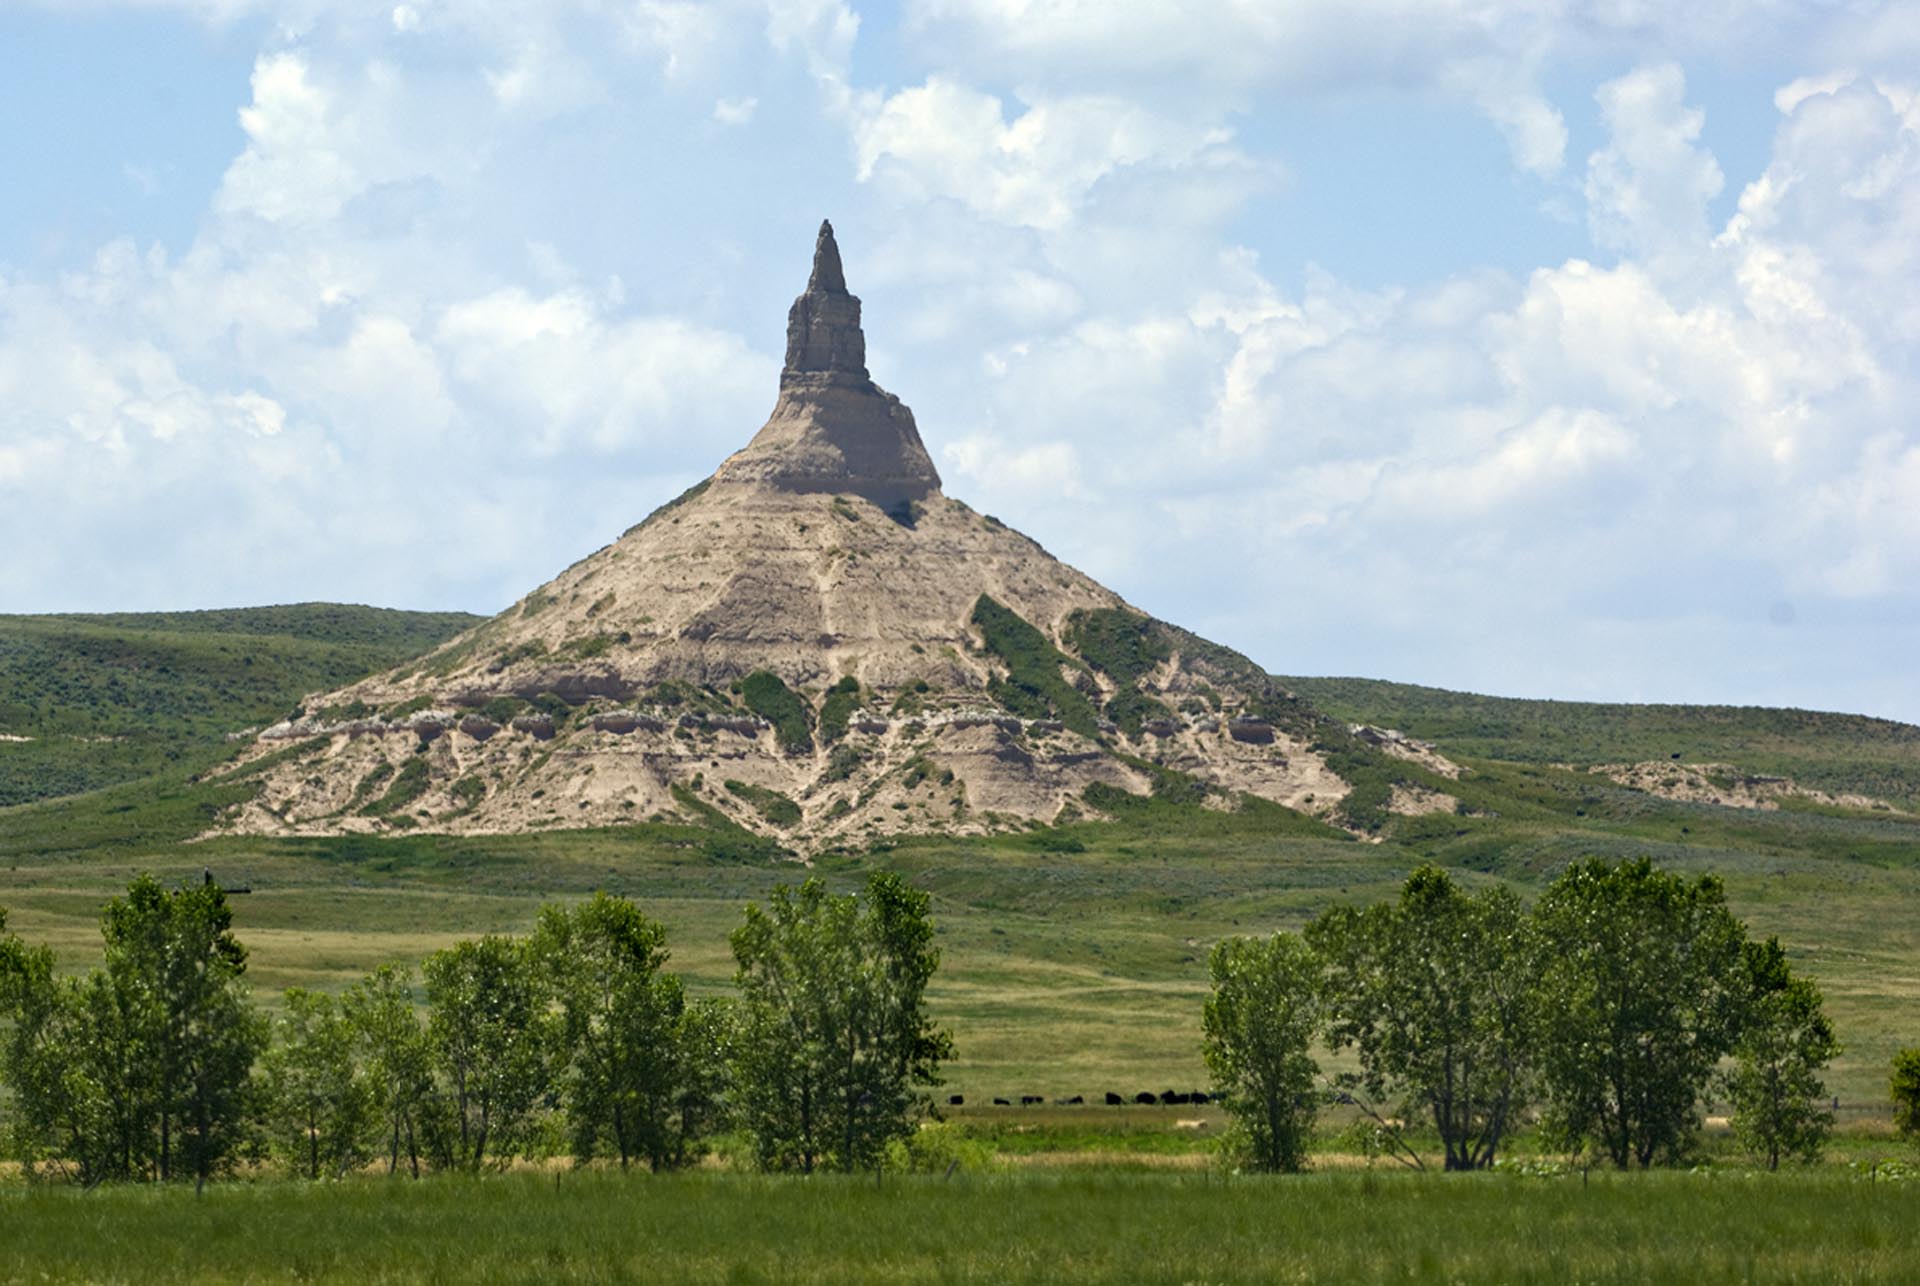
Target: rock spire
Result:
[[833, 429], [823, 326]]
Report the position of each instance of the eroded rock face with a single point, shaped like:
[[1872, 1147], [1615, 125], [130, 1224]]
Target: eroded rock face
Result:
[[823, 326], [833, 429], [822, 564]]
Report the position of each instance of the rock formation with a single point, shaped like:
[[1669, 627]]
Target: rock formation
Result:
[[834, 430], [815, 642]]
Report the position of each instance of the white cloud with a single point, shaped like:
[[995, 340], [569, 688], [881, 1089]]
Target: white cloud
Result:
[[293, 167], [944, 140], [1648, 189], [1685, 437]]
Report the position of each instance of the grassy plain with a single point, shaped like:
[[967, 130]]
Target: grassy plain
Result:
[[1075, 956], [1204, 1227]]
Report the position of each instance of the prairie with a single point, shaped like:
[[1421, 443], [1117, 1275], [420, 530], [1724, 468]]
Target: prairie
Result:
[[1029, 1226]]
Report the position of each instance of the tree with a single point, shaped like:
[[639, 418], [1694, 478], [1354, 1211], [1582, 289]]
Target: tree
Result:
[[1259, 1022], [1785, 1039], [1640, 995], [833, 1038], [32, 1060], [1905, 1087], [172, 986], [1432, 992], [320, 1108], [142, 1069], [637, 1055], [491, 1037], [398, 1062]]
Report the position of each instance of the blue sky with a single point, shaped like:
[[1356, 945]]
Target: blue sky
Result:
[[1553, 349]]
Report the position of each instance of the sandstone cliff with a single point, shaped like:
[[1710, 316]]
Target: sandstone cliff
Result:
[[817, 643]]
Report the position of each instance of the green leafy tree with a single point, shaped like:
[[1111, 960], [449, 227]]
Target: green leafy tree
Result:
[[320, 1107], [1432, 991], [1260, 1022], [397, 1058], [142, 1069], [36, 1011], [1785, 1039], [635, 1079], [1640, 996], [833, 1041], [1905, 1086], [174, 972], [493, 1040]]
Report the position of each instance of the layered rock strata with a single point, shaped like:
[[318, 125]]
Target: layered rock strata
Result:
[[816, 643]]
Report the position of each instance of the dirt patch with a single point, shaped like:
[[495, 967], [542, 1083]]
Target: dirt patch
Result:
[[1414, 801], [1727, 786]]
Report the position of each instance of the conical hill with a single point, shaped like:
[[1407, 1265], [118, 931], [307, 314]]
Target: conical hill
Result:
[[818, 643]]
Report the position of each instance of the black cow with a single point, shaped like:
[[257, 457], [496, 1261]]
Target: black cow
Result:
[[1031, 1100], [1202, 1097], [1114, 1100], [1146, 1098], [956, 1100], [1176, 1099], [1075, 1101], [1000, 1102]]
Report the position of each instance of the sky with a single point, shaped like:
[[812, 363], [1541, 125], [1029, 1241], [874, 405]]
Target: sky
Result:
[[1542, 348]]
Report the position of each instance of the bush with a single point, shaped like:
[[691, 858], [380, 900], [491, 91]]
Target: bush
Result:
[[842, 764], [408, 785], [1906, 1092], [770, 804], [843, 698], [775, 702], [939, 1148], [1131, 708], [501, 709], [1034, 687], [1123, 645]]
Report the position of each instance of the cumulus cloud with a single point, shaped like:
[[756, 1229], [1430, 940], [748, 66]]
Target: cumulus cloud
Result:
[[1669, 443], [1648, 188], [398, 362], [324, 394], [944, 140]]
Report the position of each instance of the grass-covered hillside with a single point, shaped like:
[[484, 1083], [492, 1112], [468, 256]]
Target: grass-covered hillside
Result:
[[1831, 752], [91, 701]]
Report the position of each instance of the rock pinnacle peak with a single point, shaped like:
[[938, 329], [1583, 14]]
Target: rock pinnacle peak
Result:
[[823, 326], [833, 428], [827, 273]]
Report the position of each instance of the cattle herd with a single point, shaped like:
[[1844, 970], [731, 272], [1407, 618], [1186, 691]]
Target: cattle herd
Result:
[[1145, 1098]]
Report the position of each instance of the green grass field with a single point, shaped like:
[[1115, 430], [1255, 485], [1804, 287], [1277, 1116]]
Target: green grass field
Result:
[[1204, 1227], [1066, 972], [1074, 957]]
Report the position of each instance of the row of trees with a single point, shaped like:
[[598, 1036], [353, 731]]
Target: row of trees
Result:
[[1609, 1010], [157, 1064]]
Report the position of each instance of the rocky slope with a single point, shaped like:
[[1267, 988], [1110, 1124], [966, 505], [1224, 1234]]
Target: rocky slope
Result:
[[817, 643]]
